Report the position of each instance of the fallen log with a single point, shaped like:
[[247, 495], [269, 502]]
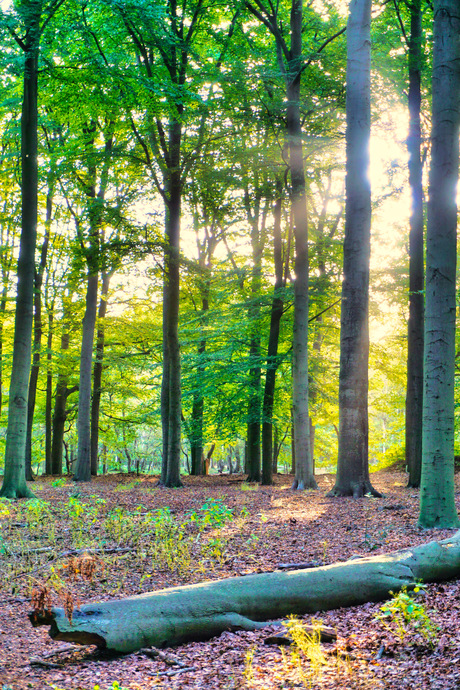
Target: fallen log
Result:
[[173, 616]]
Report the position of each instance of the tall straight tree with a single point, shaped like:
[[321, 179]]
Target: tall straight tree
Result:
[[353, 465], [95, 191], [437, 502], [164, 38], [33, 17], [414, 394], [292, 66]]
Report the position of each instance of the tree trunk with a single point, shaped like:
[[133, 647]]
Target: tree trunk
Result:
[[196, 444], [171, 384], [198, 612], [257, 222], [97, 375], [60, 402], [353, 466], [49, 395], [304, 478], [437, 500], [3, 301], [83, 469], [38, 330], [14, 481], [414, 395], [272, 349]]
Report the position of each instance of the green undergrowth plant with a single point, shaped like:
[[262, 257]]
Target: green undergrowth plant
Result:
[[82, 516], [305, 654], [59, 482], [406, 617]]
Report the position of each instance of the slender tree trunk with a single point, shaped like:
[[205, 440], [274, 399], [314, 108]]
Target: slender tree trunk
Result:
[[414, 395], [38, 330], [60, 402], [49, 395], [196, 445], [3, 301], [14, 481], [272, 350], [437, 499], [171, 385], [97, 375], [304, 477], [353, 468], [257, 223], [83, 469]]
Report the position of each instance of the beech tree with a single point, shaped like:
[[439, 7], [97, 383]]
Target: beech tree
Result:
[[31, 20], [437, 500], [353, 466]]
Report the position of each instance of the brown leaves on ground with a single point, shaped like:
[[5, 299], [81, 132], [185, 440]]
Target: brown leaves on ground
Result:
[[271, 527]]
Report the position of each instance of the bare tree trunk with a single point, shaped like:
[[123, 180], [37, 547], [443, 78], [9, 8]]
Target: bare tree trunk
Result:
[[14, 480], [353, 467], [304, 477], [97, 375], [38, 328], [49, 395], [198, 612], [272, 350], [172, 372], [60, 402], [83, 469], [437, 499], [414, 395]]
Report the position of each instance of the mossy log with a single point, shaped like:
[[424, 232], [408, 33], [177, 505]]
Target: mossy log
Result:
[[177, 615]]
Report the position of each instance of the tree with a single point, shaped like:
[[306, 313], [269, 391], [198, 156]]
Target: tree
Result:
[[353, 468], [437, 501], [273, 338], [97, 373], [38, 325], [414, 395], [31, 13]]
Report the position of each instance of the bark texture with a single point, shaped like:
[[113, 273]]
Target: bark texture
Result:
[[83, 470], [14, 481], [197, 612], [352, 468], [304, 477], [272, 349], [97, 374], [437, 501], [414, 395]]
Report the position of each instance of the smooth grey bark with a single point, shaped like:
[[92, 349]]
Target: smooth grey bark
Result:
[[171, 385], [83, 469], [198, 612], [38, 329], [97, 374], [304, 477], [414, 394], [353, 465], [437, 499], [60, 403], [6, 261], [49, 394], [256, 219], [206, 249], [95, 202], [14, 481], [273, 339]]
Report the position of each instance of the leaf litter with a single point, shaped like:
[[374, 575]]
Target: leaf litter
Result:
[[102, 541]]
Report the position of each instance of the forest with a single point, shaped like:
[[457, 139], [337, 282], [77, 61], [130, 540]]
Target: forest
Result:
[[228, 317]]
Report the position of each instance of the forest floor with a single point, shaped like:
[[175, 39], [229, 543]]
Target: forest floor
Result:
[[215, 527]]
